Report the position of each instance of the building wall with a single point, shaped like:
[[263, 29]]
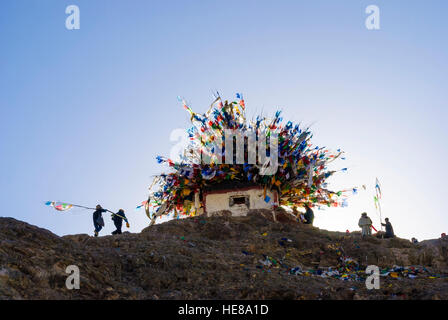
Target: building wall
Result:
[[219, 201]]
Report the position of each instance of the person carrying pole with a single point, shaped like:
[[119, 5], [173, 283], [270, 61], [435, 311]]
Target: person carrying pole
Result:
[[389, 229], [98, 221], [118, 218]]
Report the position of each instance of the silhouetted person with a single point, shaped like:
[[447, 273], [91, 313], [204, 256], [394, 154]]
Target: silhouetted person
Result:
[[389, 229], [118, 218], [98, 221], [309, 215]]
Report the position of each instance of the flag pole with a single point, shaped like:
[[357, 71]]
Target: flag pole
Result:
[[79, 206], [381, 219], [378, 197], [88, 208]]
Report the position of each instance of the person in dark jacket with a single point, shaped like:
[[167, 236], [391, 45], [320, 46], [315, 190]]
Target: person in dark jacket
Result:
[[389, 229], [118, 218], [98, 221], [309, 215]]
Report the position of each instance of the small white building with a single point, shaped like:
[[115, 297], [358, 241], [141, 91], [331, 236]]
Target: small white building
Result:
[[237, 199]]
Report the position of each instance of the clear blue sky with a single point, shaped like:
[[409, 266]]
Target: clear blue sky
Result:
[[85, 112]]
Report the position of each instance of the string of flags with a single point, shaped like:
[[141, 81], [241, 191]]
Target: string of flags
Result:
[[376, 200], [302, 168], [63, 206], [59, 206]]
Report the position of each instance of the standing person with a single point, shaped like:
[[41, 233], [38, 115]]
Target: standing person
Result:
[[118, 218], [365, 223], [98, 221], [309, 215], [389, 229]]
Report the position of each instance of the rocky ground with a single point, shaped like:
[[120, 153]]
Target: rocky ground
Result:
[[217, 258]]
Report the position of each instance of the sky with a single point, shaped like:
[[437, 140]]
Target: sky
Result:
[[84, 112]]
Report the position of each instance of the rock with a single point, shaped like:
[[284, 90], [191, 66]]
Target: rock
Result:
[[209, 258]]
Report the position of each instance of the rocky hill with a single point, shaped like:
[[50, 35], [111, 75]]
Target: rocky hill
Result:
[[249, 257]]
